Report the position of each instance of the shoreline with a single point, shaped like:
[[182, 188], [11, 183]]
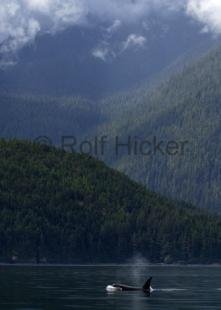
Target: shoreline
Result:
[[108, 265]]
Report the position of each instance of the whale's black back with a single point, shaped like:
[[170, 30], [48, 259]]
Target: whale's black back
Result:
[[145, 288]]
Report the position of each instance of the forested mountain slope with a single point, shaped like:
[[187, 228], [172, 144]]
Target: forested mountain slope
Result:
[[62, 207], [186, 107]]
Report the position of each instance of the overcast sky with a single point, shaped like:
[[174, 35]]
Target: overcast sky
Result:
[[22, 20]]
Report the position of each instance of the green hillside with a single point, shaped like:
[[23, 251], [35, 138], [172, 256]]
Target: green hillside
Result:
[[62, 207]]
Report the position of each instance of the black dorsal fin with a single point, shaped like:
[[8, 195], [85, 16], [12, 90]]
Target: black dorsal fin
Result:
[[147, 285]]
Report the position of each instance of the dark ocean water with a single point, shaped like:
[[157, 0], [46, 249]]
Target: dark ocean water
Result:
[[83, 287]]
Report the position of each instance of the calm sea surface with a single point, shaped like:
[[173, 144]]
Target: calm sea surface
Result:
[[83, 287]]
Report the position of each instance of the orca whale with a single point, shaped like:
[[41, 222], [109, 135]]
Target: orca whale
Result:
[[115, 287]]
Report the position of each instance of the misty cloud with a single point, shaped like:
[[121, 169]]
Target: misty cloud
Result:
[[208, 12], [22, 20], [101, 53], [105, 52], [134, 40], [114, 27]]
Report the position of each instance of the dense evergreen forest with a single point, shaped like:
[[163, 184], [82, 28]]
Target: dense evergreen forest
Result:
[[62, 207], [183, 107]]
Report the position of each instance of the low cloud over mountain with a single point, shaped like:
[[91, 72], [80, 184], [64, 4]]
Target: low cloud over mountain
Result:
[[22, 20]]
